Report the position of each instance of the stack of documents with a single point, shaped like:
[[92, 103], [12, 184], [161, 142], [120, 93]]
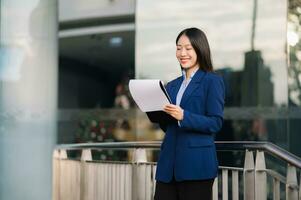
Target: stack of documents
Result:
[[151, 97]]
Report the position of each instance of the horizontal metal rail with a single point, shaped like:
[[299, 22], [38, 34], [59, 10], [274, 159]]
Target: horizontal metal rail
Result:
[[220, 146]]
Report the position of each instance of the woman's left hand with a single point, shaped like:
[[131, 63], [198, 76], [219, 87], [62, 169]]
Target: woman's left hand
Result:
[[175, 111]]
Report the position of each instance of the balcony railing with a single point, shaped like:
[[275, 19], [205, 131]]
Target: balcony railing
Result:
[[85, 178]]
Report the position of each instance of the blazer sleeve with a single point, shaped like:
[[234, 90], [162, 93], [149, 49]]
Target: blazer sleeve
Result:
[[212, 121]]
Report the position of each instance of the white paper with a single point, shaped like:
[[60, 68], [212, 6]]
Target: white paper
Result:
[[148, 95]]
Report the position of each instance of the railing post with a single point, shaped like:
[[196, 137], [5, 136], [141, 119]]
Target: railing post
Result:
[[129, 182], [249, 183], [138, 181], [225, 184], [215, 189], [56, 175], [235, 185], [276, 189], [291, 183], [260, 177], [86, 156], [154, 180], [62, 156], [139, 155], [148, 182], [300, 187]]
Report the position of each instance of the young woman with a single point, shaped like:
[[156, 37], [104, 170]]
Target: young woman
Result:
[[188, 164]]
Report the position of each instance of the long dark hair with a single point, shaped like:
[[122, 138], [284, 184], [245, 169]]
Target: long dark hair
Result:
[[200, 44]]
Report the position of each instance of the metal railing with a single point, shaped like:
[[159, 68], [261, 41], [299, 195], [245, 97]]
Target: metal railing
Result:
[[86, 178]]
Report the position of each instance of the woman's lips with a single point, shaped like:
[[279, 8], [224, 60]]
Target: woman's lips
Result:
[[183, 61]]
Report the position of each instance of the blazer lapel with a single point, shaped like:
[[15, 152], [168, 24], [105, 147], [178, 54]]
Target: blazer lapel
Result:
[[194, 83], [174, 90]]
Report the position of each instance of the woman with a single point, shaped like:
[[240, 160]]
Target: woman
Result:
[[188, 164]]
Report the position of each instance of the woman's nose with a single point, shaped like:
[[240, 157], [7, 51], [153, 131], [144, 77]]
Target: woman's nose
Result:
[[183, 52]]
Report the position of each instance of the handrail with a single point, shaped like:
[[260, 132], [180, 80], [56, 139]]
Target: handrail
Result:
[[263, 146], [110, 145], [220, 146]]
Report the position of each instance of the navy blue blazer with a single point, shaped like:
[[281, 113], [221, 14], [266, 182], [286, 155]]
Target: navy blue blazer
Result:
[[188, 152]]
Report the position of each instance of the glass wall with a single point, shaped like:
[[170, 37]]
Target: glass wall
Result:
[[250, 41], [248, 44], [96, 61], [294, 74]]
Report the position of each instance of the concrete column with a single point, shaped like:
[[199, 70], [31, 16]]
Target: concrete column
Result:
[[28, 97]]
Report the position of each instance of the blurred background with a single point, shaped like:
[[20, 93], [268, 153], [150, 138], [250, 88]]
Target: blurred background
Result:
[[65, 67]]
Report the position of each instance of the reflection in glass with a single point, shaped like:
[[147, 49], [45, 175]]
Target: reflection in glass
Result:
[[247, 49], [294, 74], [95, 65]]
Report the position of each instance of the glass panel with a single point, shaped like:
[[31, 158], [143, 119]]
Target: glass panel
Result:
[[294, 74], [96, 61], [247, 49]]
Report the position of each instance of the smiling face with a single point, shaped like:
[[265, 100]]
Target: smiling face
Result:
[[186, 54]]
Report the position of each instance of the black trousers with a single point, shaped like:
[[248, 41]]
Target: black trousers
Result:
[[184, 190]]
